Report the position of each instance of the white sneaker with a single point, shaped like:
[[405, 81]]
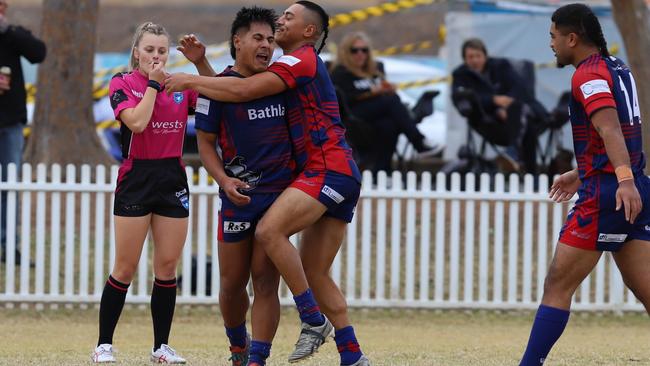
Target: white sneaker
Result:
[[103, 354], [166, 354]]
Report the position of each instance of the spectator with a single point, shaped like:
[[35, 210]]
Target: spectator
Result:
[[490, 93], [15, 41], [371, 98]]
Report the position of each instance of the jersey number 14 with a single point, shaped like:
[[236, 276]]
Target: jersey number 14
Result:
[[631, 101]]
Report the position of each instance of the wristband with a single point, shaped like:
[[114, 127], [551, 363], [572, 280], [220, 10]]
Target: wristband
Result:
[[623, 173], [154, 84]]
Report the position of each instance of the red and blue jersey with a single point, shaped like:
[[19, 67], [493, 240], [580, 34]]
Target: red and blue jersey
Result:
[[316, 129], [164, 135], [604, 82], [253, 138]]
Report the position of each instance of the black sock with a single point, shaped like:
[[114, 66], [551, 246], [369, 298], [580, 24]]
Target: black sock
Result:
[[163, 301], [110, 308]]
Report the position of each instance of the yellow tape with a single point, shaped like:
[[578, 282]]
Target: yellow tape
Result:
[[407, 48], [376, 11]]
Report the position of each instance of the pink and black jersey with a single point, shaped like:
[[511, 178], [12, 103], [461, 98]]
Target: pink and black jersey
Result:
[[253, 138], [312, 103], [604, 82], [164, 135]]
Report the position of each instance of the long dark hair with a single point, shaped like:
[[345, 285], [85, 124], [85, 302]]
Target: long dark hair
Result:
[[245, 17], [324, 28], [581, 20]]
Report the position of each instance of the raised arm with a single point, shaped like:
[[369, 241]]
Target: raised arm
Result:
[[194, 51]]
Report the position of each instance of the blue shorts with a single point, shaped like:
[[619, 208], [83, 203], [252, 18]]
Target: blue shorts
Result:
[[594, 224], [338, 192], [237, 223]]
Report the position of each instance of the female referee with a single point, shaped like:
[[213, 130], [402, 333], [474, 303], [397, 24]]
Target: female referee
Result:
[[151, 192]]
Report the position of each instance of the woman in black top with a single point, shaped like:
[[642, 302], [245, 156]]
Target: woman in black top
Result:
[[361, 80]]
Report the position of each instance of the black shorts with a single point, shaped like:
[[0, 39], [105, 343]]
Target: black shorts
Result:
[[152, 186]]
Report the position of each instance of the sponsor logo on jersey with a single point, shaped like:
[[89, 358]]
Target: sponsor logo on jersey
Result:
[[647, 228], [178, 97], [185, 201], [237, 168], [231, 227], [611, 238], [203, 106], [288, 60], [268, 112], [167, 127], [580, 235], [137, 94], [331, 193], [593, 87]]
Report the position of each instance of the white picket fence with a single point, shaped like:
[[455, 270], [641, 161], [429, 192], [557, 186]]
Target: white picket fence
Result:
[[418, 246]]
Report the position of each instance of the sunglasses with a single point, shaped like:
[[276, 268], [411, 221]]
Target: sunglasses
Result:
[[356, 50]]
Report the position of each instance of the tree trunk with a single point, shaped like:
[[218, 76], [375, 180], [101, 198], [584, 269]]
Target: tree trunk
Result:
[[632, 16], [64, 126]]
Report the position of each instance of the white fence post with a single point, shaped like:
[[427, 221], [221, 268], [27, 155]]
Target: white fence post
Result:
[[454, 241], [395, 237], [468, 286], [483, 240], [439, 279], [513, 241], [41, 177], [85, 232], [55, 237], [70, 232], [100, 227], [366, 227], [528, 242], [409, 264], [425, 237], [499, 222], [380, 264], [10, 275], [542, 238], [201, 236], [25, 234]]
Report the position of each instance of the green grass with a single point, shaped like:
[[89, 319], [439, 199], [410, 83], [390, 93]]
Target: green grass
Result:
[[67, 336]]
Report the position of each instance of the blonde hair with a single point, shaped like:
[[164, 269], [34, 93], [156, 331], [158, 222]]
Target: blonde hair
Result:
[[344, 56], [146, 27]]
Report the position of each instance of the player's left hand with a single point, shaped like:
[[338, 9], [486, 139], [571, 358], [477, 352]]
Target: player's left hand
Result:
[[177, 82], [627, 196]]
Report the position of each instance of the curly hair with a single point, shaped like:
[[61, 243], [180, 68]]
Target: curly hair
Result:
[[581, 20], [247, 16]]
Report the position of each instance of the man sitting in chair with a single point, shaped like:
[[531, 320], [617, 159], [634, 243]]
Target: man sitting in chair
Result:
[[490, 93]]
